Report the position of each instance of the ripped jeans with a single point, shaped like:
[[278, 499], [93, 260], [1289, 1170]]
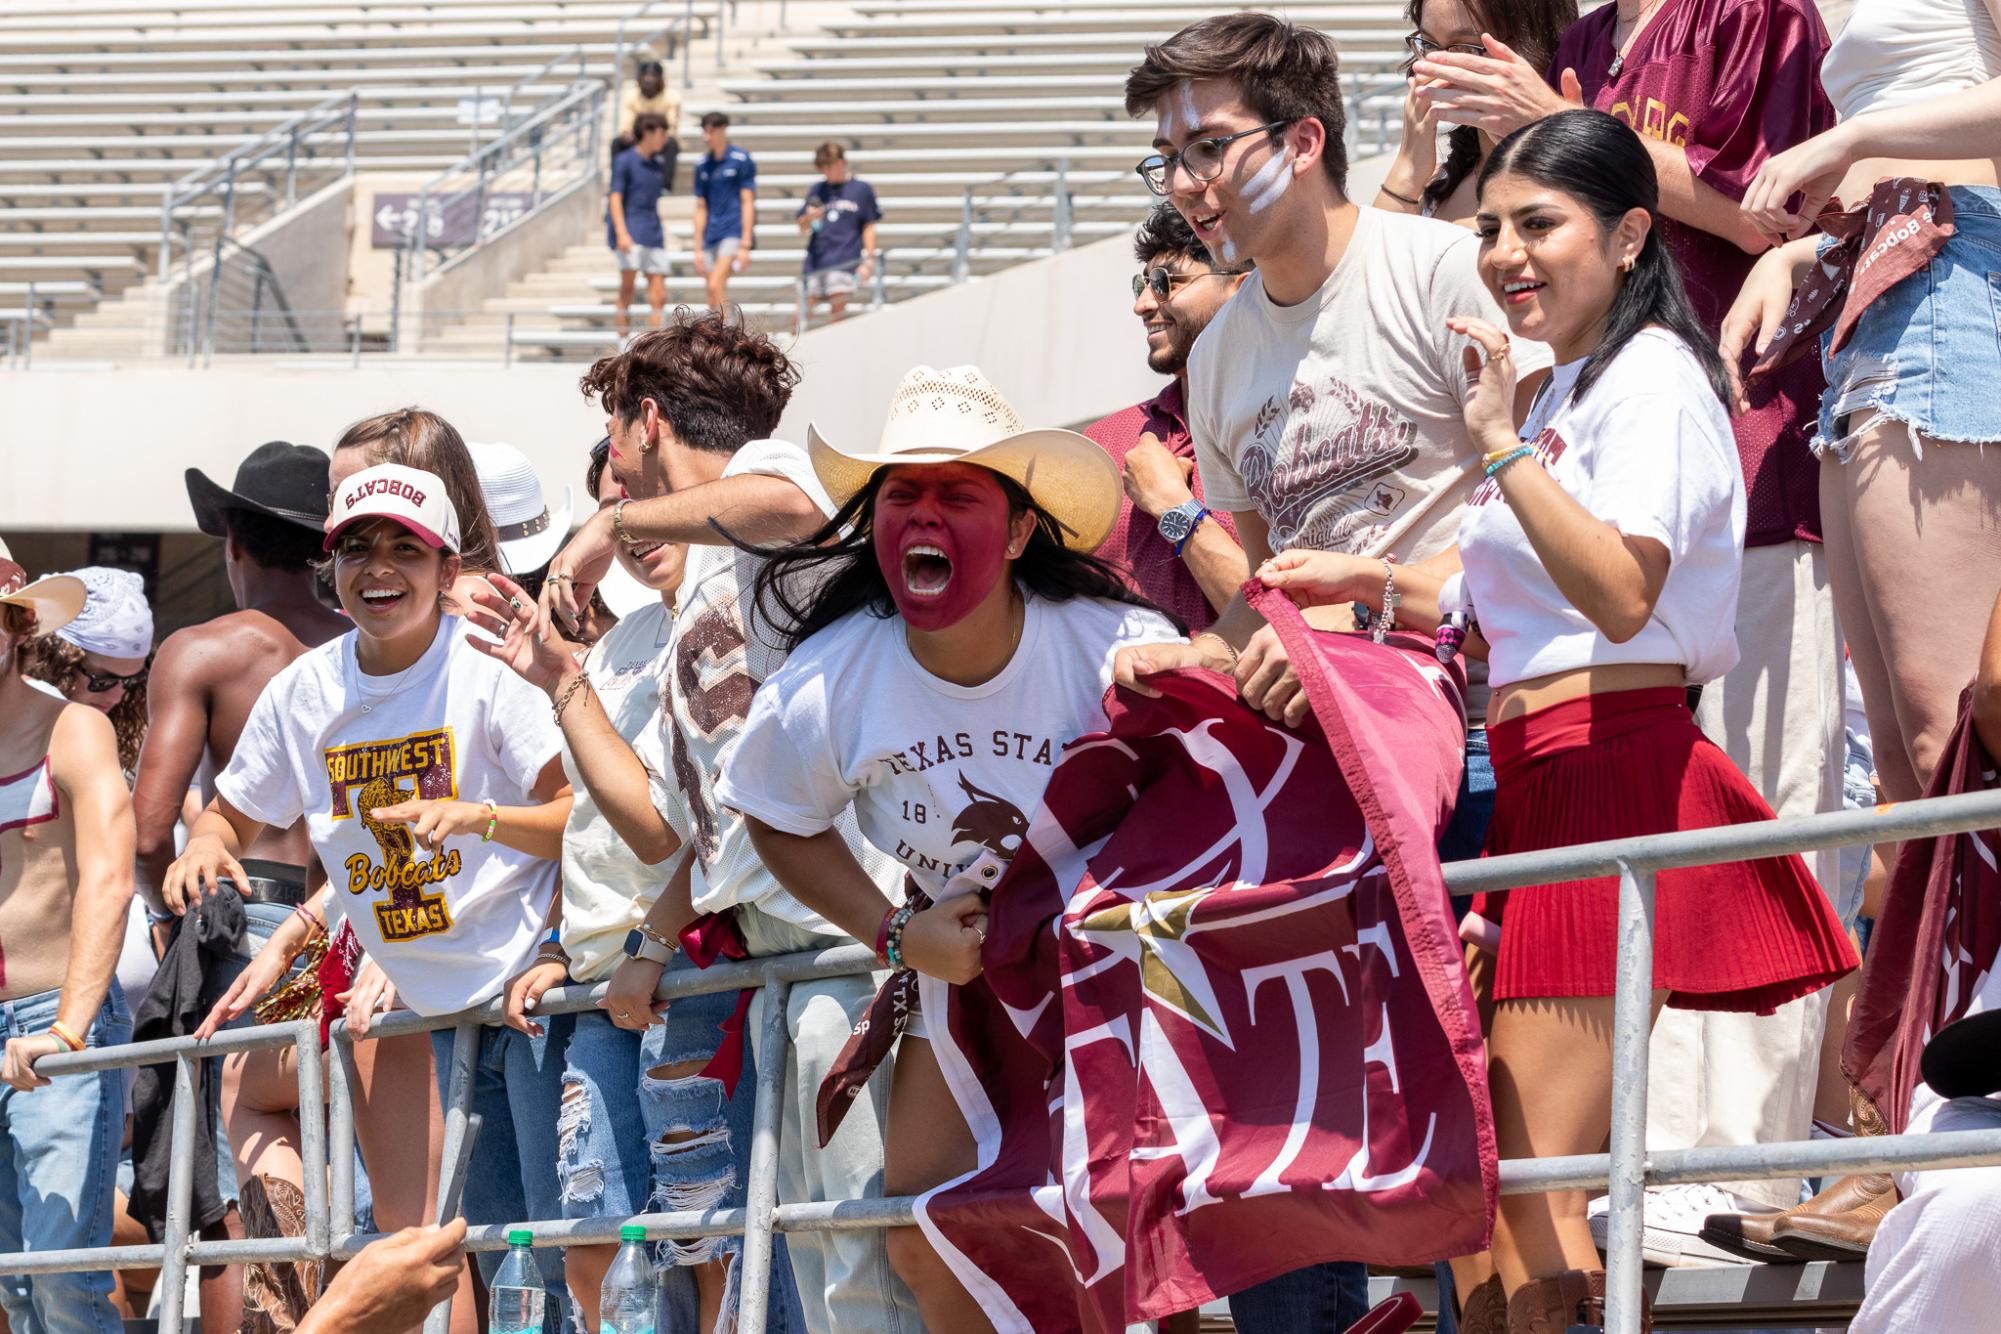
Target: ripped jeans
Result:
[[628, 1143]]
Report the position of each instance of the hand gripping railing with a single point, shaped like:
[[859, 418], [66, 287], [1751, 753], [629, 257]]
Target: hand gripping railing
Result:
[[1628, 1169]]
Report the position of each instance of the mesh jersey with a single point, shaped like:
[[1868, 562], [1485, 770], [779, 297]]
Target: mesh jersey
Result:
[[722, 653]]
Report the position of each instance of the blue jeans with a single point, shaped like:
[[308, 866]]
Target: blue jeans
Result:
[[1466, 834], [58, 1167], [1319, 1299], [517, 1091]]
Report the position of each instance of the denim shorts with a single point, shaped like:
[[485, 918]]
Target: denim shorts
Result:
[[260, 922], [1928, 352], [613, 1157]]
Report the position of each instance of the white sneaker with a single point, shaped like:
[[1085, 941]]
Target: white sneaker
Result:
[[1674, 1217]]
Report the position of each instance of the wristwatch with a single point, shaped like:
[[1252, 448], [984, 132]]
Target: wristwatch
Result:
[[643, 944], [1180, 523]]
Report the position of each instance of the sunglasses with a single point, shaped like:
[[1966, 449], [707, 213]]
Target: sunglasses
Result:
[[1421, 46], [601, 451], [1202, 159], [1162, 282], [97, 685]]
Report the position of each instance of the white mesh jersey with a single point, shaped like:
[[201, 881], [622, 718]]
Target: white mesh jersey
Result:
[[722, 653]]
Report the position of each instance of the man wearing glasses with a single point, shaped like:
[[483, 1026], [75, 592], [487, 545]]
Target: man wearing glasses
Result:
[[1175, 551]]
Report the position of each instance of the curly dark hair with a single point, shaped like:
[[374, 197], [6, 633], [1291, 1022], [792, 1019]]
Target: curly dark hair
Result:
[[56, 661], [718, 385], [1165, 234], [805, 587]]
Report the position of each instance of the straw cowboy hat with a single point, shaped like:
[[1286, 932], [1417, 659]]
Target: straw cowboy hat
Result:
[[957, 416], [55, 600]]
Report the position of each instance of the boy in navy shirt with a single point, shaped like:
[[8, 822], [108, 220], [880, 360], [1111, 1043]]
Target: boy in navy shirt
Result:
[[632, 223], [838, 219], [725, 208]]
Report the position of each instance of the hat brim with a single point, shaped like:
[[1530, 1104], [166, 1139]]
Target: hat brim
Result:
[[211, 500], [1065, 473], [56, 601], [525, 555], [1963, 1059], [430, 538]]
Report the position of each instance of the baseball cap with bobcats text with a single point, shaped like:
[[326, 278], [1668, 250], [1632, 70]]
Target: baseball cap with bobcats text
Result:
[[410, 496]]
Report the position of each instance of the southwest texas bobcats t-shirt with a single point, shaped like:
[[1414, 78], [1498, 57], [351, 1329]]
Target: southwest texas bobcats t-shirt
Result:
[[1339, 419], [327, 743], [937, 773]]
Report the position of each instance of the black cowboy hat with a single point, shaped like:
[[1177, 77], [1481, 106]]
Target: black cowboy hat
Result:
[[283, 481], [1963, 1059]]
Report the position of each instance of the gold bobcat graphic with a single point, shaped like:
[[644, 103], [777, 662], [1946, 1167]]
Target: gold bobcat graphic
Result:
[[371, 775]]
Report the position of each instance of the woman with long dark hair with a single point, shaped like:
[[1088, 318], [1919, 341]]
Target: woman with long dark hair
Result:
[[1601, 561], [1418, 182], [950, 634]]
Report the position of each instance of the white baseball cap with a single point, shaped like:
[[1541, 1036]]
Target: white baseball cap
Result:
[[410, 496]]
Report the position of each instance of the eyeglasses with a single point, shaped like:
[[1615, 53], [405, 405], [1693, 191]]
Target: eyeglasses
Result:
[[1163, 281], [1202, 159], [97, 685], [1421, 46]]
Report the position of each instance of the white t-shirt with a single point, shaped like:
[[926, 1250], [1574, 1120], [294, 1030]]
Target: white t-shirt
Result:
[[327, 743], [1649, 450], [937, 773], [1339, 419], [722, 652], [607, 890]]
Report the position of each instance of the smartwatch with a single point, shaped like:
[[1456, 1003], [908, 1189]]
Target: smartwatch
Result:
[[640, 944], [1179, 524]]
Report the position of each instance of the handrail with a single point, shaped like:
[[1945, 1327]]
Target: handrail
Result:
[[287, 135], [562, 58], [1626, 1170], [685, 24]]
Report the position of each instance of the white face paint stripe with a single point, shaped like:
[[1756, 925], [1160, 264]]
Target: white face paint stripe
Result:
[[1185, 94], [1229, 251], [1263, 189]]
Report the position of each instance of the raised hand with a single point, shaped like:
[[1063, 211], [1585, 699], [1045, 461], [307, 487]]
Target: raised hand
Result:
[[525, 637]]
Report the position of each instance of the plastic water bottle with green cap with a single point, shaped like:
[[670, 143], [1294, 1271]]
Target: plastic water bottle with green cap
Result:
[[518, 1295], [626, 1306]]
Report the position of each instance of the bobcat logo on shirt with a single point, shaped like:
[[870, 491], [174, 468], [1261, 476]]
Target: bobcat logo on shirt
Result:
[[993, 822], [371, 774], [1313, 459]]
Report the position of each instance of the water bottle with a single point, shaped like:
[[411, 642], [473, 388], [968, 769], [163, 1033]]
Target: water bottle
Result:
[[518, 1295], [626, 1306]]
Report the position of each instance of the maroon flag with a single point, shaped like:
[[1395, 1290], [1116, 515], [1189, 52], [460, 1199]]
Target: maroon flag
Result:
[[1241, 1038], [1937, 941]]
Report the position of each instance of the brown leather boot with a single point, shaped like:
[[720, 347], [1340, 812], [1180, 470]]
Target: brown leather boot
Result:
[[1574, 1297], [1484, 1310], [1754, 1236], [1842, 1233]]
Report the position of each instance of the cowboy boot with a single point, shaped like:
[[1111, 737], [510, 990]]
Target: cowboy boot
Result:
[[1842, 1232], [1753, 1236], [1574, 1297], [1485, 1309]]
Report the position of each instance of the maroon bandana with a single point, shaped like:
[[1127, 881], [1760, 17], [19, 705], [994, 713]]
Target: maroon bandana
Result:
[[1876, 246]]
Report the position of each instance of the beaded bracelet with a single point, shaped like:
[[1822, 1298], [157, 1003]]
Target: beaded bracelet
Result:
[[1380, 629], [313, 923], [882, 935], [61, 1033], [892, 945], [1519, 452], [492, 820]]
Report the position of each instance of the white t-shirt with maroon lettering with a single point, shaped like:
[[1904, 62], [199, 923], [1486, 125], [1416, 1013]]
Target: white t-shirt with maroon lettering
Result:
[[937, 773], [1339, 419]]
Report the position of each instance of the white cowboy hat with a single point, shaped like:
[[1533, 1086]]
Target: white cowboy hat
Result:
[[54, 599], [530, 530], [957, 416]]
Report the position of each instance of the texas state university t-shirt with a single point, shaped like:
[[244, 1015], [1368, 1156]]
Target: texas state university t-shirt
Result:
[[1730, 83], [330, 744]]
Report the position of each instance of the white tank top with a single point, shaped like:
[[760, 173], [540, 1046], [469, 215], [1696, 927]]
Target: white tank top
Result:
[[1892, 52]]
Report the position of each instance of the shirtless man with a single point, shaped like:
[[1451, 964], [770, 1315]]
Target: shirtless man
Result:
[[204, 680], [65, 888]]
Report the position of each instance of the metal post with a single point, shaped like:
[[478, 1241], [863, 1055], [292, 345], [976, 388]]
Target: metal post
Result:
[[313, 1135], [534, 185], [291, 168], [507, 356], [687, 53], [340, 1137], [962, 251], [761, 1192], [353, 117], [722, 34], [458, 1103], [882, 280], [1060, 232], [799, 310], [400, 263], [180, 1195], [215, 270], [1632, 1023], [28, 331]]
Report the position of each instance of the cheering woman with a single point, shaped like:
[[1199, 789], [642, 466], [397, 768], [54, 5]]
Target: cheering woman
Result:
[[956, 637]]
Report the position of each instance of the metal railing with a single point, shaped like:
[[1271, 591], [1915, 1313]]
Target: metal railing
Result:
[[681, 27], [1627, 1169], [575, 53], [281, 154], [550, 153], [878, 289]]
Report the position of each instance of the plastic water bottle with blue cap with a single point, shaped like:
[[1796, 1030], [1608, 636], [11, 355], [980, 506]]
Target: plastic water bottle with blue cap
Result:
[[626, 1306], [518, 1295]]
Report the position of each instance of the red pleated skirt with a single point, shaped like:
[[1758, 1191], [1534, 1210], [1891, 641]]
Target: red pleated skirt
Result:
[[1744, 936]]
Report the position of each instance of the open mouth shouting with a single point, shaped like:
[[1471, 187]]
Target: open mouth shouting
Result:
[[1518, 291], [927, 571], [383, 600]]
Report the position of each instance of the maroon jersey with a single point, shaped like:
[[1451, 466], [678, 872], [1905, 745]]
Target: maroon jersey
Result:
[[1729, 82]]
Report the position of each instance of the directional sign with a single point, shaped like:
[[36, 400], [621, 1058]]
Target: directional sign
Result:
[[450, 224]]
